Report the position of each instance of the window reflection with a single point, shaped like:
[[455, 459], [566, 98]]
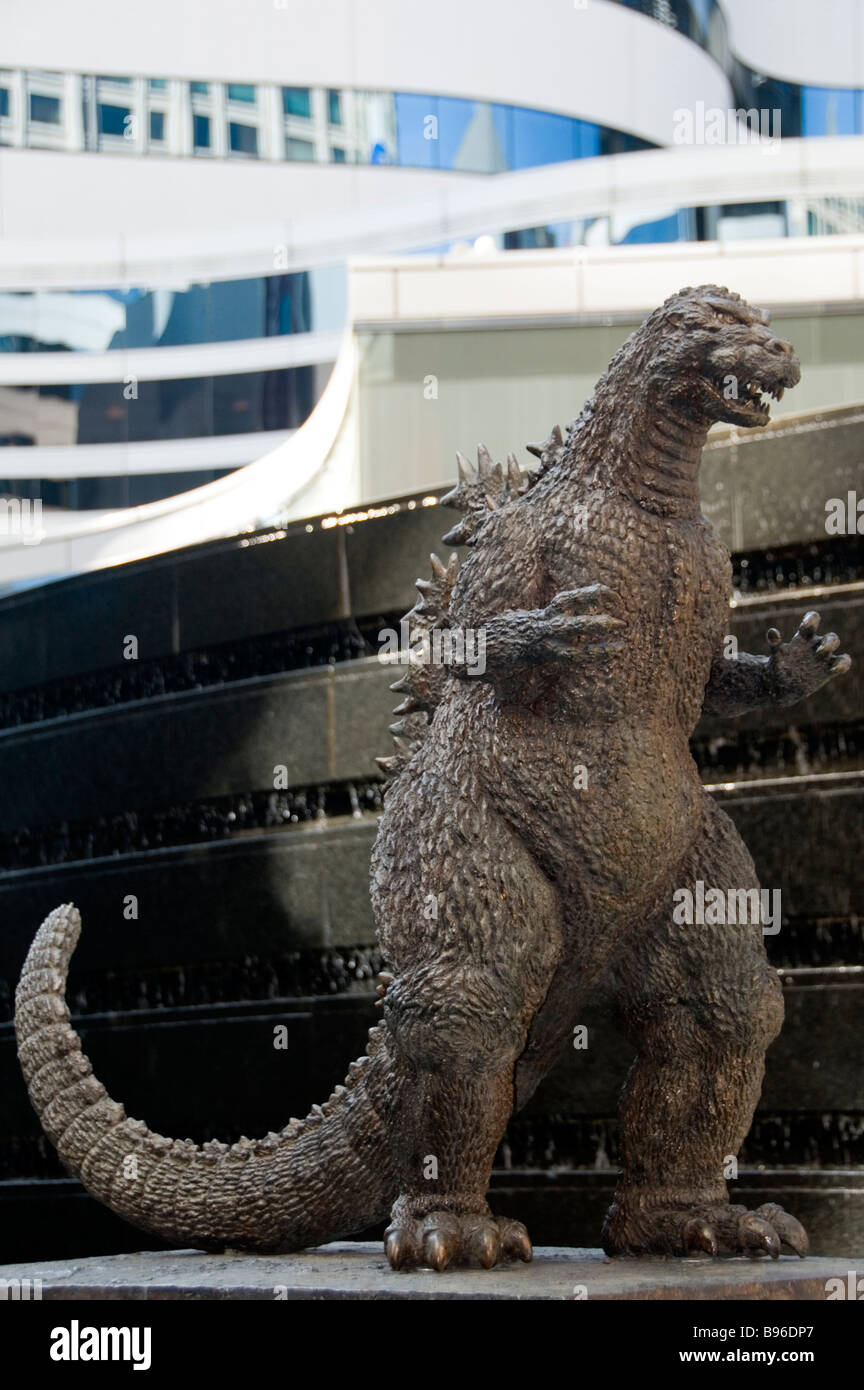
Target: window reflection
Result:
[[113, 119], [190, 407], [414, 130], [224, 311], [243, 139], [296, 101], [45, 110]]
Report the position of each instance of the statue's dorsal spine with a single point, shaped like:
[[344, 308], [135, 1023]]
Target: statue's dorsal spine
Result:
[[479, 491]]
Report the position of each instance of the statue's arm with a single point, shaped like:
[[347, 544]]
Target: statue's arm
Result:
[[791, 672], [574, 624]]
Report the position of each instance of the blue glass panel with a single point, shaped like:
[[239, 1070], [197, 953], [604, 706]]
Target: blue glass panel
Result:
[[222, 311], [647, 233], [112, 119], [303, 151], [587, 139], [236, 310], [334, 107], [502, 117], [243, 139], [541, 138], [158, 84], [296, 101], [44, 109], [828, 111], [201, 132], [417, 131], [337, 154], [200, 89], [157, 125], [240, 91], [4, 101], [466, 136]]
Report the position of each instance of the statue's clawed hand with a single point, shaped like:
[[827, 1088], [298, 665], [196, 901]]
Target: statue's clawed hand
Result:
[[576, 623], [802, 666]]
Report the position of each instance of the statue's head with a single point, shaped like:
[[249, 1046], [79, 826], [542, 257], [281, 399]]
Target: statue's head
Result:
[[713, 356]]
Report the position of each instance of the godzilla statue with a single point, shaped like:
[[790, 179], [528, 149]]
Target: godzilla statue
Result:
[[542, 812]]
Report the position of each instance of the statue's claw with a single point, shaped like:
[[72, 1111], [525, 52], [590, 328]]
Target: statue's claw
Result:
[[399, 1246], [698, 1235], [515, 1240], [575, 623], [790, 1231], [485, 1244], [758, 1236], [444, 1238], [438, 1250], [715, 1228], [803, 665]]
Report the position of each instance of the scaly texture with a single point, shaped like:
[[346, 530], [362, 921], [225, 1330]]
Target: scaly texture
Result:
[[543, 810]]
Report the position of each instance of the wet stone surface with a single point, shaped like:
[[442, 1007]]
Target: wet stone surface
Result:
[[347, 1270]]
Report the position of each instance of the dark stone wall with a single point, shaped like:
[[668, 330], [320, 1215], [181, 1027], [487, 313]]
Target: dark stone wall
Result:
[[155, 779]]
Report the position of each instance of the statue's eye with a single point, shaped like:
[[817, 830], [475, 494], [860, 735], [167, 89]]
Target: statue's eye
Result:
[[726, 318]]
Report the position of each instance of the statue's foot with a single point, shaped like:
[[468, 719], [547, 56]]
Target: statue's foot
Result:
[[442, 1238], [715, 1228]]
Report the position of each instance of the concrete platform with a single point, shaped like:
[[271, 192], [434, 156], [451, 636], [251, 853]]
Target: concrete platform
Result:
[[347, 1270]]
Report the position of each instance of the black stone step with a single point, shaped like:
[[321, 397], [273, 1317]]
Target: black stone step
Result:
[[54, 1219], [227, 1076]]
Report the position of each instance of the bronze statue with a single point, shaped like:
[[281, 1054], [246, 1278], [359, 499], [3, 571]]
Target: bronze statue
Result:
[[544, 821]]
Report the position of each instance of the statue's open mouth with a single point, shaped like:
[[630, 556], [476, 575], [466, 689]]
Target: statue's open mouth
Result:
[[743, 400]]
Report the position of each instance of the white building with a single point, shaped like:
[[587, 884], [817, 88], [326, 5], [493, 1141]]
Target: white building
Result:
[[181, 193]]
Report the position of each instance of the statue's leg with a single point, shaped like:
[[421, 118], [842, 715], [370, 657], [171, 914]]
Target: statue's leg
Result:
[[701, 1004], [471, 929]]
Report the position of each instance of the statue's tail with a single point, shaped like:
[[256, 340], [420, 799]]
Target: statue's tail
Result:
[[320, 1178]]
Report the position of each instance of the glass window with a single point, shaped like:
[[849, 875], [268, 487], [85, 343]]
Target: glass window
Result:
[[828, 111], [337, 154], [301, 150], [541, 138], [201, 132], [334, 107], [113, 119], [44, 109], [199, 89], [416, 131], [587, 136], [4, 101], [223, 311], [123, 81], [649, 233], [296, 101], [242, 139], [240, 92], [468, 138], [157, 125], [158, 84]]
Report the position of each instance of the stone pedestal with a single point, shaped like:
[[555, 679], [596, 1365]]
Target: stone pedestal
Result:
[[345, 1270]]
